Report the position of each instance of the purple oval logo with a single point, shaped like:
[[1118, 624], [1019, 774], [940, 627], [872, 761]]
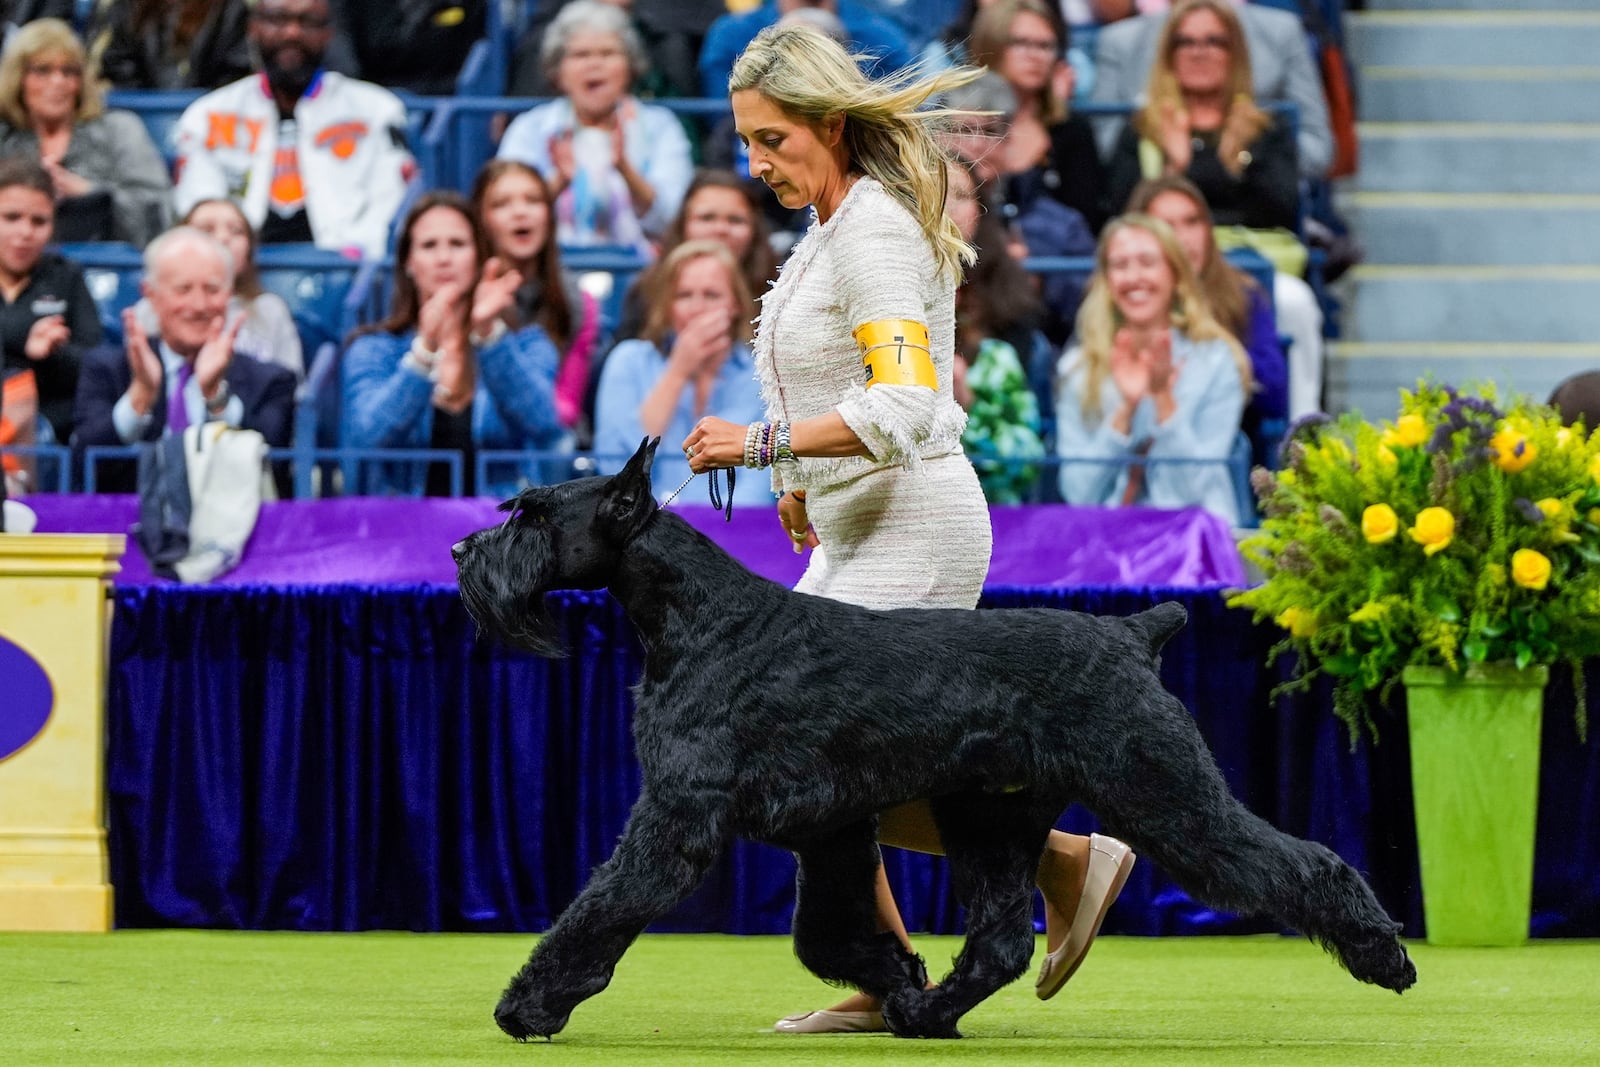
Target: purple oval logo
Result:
[[25, 707]]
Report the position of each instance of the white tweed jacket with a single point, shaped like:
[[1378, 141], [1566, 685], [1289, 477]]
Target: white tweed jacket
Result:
[[868, 262]]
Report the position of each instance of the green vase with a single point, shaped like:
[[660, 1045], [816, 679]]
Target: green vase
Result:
[[1475, 788]]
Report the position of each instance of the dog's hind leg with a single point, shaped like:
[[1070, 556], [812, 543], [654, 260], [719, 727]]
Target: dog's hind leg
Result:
[[662, 856], [1162, 792], [835, 917], [993, 842]]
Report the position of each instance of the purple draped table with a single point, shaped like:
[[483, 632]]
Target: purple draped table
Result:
[[384, 541]]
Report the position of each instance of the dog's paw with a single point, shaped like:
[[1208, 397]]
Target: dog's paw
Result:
[[918, 1015], [523, 1021], [1381, 961]]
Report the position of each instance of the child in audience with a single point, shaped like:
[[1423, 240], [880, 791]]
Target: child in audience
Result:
[[1152, 376], [444, 371], [47, 317], [514, 205], [268, 332]]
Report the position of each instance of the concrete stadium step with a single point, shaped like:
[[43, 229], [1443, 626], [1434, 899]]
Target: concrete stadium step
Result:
[[1480, 157], [1475, 229], [1368, 376], [1474, 38], [1474, 304], [1480, 5], [1479, 94]]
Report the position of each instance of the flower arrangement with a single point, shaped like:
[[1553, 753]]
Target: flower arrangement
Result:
[[1459, 534]]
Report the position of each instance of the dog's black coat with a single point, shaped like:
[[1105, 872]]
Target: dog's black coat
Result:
[[780, 717]]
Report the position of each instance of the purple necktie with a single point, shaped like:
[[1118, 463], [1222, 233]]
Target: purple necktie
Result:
[[177, 410]]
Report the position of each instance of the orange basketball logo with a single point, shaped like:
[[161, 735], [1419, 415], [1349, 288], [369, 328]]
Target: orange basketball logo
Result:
[[342, 139]]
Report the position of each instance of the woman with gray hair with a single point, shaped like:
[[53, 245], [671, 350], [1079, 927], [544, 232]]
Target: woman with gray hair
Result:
[[855, 352], [618, 168], [110, 181]]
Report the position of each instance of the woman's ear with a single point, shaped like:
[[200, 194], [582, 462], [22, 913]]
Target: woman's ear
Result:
[[833, 129]]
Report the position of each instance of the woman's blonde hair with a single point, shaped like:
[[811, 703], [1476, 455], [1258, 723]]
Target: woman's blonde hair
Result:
[[664, 283], [38, 38], [888, 133], [1226, 288], [1099, 319], [991, 35], [1244, 121]]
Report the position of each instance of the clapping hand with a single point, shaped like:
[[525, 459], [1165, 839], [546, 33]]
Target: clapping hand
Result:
[[495, 295], [142, 361], [439, 319], [211, 362], [1130, 371], [45, 336], [1173, 136], [67, 182]]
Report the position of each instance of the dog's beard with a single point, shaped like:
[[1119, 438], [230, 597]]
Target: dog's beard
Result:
[[503, 585]]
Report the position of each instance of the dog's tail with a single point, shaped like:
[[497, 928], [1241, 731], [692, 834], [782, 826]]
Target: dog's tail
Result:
[[1156, 625]]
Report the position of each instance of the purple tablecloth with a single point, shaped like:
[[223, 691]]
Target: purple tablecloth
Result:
[[383, 541]]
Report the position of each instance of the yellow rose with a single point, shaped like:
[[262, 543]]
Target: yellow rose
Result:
[[1512, 450], [1409, 431], [1298, 621], [1550, 506], [1530, 569], [1434, 529], [1379, 524]]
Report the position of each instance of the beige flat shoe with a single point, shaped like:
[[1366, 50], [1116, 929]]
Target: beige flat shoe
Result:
[[832, 1022], [1110, 863]]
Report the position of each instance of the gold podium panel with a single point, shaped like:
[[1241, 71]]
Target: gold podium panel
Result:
[[55, 621]]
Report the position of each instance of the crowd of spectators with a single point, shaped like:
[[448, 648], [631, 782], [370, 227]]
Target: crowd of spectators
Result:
[[1162, 349]]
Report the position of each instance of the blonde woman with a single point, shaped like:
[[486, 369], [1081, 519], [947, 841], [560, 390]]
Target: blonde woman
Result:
[[691, 358], [855, 353], [52, 110], [1200, 120], [1153, 376]]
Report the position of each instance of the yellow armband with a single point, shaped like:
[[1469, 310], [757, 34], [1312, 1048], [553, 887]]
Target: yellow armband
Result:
[[895, 352]]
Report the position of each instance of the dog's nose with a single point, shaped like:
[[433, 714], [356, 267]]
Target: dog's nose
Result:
[[458, 550]]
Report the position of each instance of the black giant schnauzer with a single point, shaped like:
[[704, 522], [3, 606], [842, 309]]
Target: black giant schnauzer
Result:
[[791, 719]]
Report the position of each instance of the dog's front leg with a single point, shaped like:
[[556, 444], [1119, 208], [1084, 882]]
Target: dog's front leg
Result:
[[662, 856]]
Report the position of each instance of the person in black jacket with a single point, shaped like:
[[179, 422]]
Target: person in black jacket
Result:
[[47, 318], [152, 386]]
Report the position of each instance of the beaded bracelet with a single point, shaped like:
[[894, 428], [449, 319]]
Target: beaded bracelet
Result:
[[752, 439]]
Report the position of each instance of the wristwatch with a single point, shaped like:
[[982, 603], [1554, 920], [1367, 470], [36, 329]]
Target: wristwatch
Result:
[[216, 404]]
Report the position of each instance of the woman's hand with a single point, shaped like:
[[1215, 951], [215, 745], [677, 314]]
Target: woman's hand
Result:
[[792, 514], [45, 336], [1130, 370], [1174, 137], [703, 342], [714, 444], [1063, 81], [1157, 356], [564, 160], [439, 317], [495, 295], [456, 377], [67, 182]]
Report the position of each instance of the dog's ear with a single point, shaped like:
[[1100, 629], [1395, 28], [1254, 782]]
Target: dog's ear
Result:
[[627, 501]]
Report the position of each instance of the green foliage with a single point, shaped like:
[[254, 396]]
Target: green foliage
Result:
[[1459, 534]]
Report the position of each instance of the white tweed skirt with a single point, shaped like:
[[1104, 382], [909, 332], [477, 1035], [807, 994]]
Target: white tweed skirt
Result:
[[894, 538]]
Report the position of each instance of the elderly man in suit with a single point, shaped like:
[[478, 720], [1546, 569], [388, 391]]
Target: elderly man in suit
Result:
[[1280, 67], [188, 373]]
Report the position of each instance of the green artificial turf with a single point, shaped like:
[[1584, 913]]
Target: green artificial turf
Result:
[[187, 997]]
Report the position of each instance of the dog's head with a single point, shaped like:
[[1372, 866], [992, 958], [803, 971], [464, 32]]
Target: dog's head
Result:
[[567, 536]]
